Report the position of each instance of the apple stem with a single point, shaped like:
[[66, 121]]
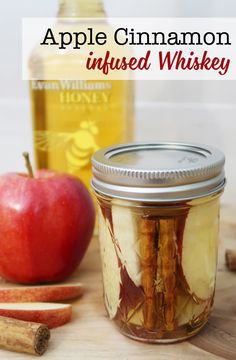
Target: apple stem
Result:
[[28, 164]]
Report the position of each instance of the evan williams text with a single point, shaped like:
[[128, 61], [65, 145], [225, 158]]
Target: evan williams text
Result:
[[169, 60]]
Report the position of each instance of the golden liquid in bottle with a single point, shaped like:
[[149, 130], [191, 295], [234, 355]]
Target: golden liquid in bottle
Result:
[[72, 119]]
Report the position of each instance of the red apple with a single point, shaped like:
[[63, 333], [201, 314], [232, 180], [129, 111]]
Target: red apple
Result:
[[46, 223]]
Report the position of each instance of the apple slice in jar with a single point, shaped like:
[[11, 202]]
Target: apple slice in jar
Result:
[[111, 269], [126, 234], [199, 249], [187, 310]]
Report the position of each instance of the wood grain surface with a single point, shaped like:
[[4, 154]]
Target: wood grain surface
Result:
[[92, 336]]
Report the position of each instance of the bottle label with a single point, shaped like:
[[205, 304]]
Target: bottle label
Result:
[[76, 92], [70, 85], [76, 115]]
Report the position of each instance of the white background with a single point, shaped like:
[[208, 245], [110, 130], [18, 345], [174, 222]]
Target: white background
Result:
[[171, 110]]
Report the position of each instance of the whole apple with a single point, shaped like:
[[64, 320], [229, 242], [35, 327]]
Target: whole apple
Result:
[[46, 223]]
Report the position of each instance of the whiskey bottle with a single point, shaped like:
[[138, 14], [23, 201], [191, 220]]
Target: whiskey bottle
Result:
[[74, 118]]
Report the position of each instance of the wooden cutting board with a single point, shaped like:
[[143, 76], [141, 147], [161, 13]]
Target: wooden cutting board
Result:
[[92, 336], [219, 336]]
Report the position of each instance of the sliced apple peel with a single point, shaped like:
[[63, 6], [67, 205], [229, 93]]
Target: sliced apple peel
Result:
[[199, 249], [44, 293], [50, 314]]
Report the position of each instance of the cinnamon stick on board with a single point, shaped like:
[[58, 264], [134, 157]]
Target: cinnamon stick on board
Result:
[[149, 264], [167, 253], [23, 336], [230, 257]]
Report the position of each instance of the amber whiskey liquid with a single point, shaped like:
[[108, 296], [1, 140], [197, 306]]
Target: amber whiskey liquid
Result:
[[74, 118]]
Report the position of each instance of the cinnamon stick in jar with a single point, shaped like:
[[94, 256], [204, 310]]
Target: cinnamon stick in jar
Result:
[[159, 287], [148, 262], [167, 254], [23, 336]]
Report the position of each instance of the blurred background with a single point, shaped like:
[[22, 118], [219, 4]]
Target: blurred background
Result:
[[196, 111]]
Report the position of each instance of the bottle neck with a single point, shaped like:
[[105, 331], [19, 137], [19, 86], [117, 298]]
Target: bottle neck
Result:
[[81, 8]]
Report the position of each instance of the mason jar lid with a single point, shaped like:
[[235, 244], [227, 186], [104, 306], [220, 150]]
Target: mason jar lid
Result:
[[158, 172]]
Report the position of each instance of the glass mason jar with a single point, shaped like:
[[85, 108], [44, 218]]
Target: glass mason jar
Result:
[[158, 232]]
